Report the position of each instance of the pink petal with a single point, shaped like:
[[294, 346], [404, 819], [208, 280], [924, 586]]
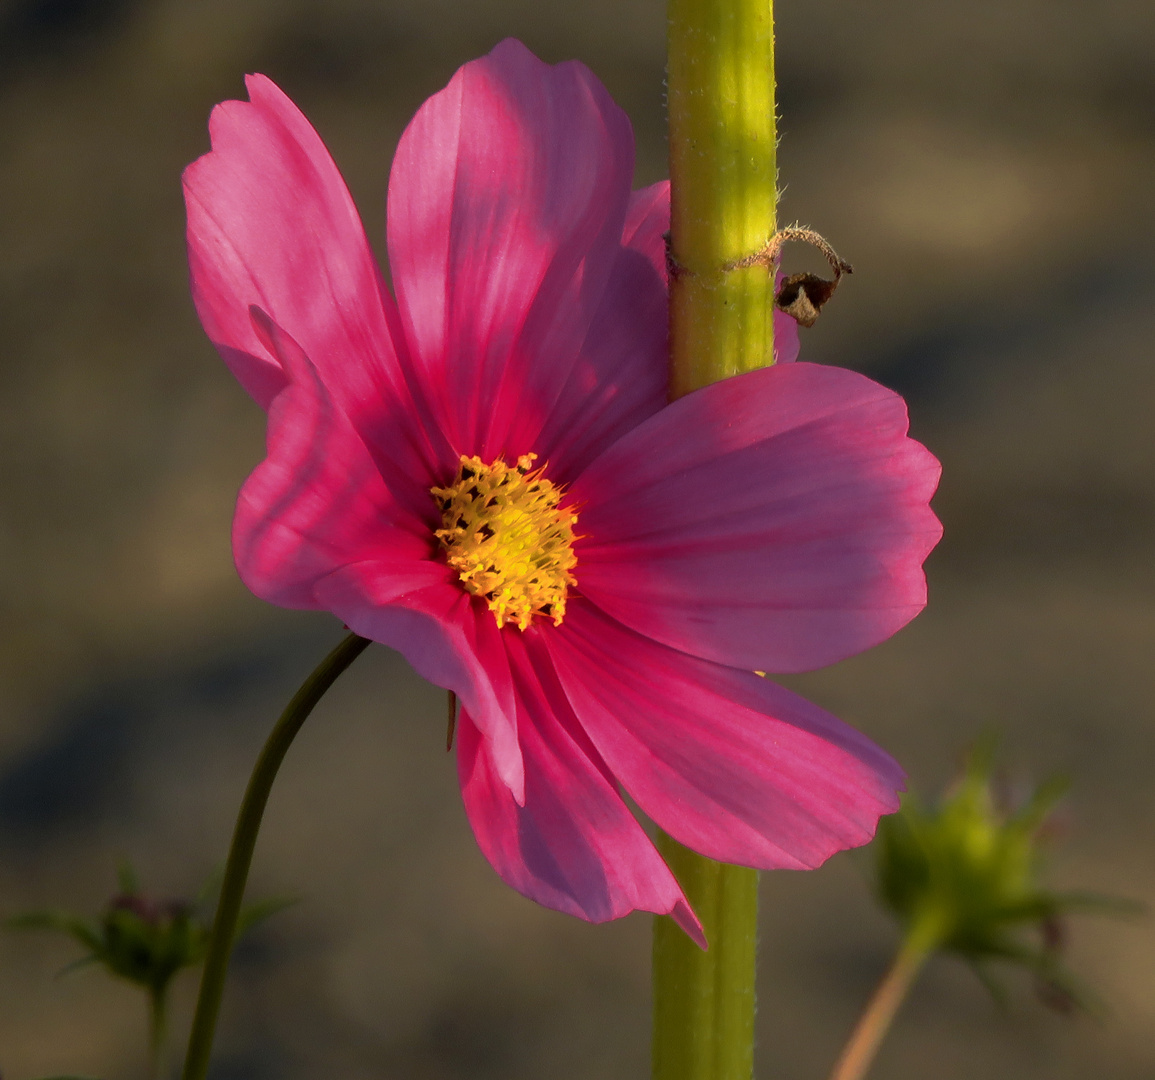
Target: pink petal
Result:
[[317, 527], [506, 205], [776, 521], [728, 763], [318, 501], [647, 222], [573, 845], [271, 223], [450, 638], [620, 377]]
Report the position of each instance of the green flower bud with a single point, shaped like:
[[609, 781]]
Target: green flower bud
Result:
[[963, 877], [140, 938]]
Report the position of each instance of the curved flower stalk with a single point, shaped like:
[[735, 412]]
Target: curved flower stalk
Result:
[[482, 471]]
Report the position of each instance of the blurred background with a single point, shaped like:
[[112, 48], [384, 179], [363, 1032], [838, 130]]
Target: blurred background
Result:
[[988, 169]]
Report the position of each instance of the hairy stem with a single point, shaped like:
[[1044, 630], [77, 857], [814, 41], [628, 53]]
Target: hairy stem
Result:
[[244, 841], [723, 177], [723, 194], [704, 1001]]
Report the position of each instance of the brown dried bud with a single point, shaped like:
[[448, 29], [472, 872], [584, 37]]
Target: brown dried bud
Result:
[[802, 296]]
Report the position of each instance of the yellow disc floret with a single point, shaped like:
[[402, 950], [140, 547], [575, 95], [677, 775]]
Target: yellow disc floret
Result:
[[507, 538]]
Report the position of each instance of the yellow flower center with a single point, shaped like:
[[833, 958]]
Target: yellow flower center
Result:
[[507, 538]]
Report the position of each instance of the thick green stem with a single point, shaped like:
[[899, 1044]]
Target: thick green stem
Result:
[[858, 1053], [244, 841], [723, 180], [704, 1000]]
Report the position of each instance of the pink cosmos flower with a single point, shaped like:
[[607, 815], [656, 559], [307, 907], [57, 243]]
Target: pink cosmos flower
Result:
[[484, 474]]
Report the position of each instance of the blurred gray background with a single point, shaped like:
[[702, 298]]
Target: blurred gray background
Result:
[[988, 169]]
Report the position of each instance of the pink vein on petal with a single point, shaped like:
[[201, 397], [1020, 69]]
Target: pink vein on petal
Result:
[[506, 203], [775, 521], [620, 377], [728, 763], [573, 845], [272, 224], [317, 501]]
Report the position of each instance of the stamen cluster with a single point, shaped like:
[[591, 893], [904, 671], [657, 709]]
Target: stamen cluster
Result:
[[508, 539]]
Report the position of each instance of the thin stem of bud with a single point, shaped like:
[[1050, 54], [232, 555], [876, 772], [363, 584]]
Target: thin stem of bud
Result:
[[858, 1053], [244, 841], [157, 1032]]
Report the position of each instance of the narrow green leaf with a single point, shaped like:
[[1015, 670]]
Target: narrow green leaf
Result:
[[254, 914], [76, 965], [59, 921]]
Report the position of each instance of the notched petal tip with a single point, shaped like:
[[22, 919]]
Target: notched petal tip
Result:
[[259, 85], [271, 221], [507, 198], [264, 327]]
